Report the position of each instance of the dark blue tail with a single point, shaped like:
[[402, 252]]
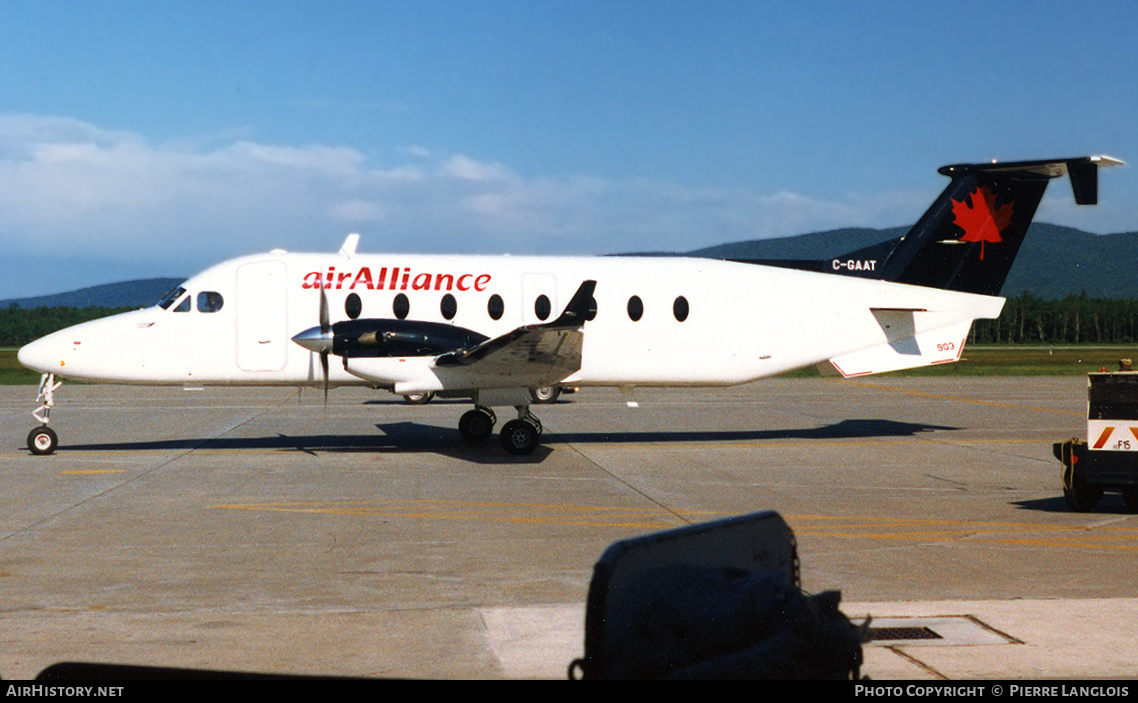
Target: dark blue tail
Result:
[[969, 238]]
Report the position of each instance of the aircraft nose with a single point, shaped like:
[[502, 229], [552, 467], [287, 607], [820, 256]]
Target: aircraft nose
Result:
[[314, 339], [42, 355]]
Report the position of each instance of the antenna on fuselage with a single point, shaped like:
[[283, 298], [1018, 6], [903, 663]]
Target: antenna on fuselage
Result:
[[349, 248]]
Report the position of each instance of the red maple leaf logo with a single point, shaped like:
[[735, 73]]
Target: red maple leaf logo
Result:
[[982, 221]]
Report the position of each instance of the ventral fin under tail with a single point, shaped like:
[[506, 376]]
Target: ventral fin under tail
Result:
[[969, 237]]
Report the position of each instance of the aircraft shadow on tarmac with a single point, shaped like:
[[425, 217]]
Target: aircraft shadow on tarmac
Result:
[[1110, 503], [412, 437]]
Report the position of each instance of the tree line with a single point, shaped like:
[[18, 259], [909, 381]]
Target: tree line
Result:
[[1026, 319], [1075, 319], [18, 326]]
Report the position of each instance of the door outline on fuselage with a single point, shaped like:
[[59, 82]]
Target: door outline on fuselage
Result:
[[262, 316]]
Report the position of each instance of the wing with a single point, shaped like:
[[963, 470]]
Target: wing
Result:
[[533, 355]]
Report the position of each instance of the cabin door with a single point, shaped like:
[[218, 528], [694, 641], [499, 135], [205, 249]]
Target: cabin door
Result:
[[262, 310]]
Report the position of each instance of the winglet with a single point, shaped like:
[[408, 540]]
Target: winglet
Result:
[[580, 308]]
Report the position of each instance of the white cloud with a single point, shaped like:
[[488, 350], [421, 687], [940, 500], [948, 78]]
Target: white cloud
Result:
[[467, 169], [79, 190]]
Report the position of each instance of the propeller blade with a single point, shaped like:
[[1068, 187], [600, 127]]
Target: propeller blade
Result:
[[324, 368], [325, 332], [325, 323]]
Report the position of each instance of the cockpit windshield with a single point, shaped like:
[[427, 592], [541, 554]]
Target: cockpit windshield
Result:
[[169, 298]]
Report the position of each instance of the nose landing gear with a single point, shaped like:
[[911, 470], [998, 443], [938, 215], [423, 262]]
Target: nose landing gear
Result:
[[43, 440]]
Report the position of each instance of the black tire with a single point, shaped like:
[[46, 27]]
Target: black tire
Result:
[[1081, 496], [476, 425], [1083, 499], [1130, 495], [545, 394], [519, 437], [42, 440], [418, 398]]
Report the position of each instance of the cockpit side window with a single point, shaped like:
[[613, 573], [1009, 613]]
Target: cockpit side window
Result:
[[183, 306], [209, 301], [169, 298]]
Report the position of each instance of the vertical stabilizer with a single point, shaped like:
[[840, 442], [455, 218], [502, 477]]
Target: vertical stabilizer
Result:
[[969, 238]]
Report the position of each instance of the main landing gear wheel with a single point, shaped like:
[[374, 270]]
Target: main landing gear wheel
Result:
[[545, 394], [477, 425], [520, 437], [42, 440]]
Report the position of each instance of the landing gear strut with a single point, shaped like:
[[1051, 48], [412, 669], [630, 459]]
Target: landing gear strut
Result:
[[43, 440]]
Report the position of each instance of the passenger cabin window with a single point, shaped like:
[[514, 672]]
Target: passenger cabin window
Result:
[[209, 301], [401, 306], [496, 307], [635, 308], [448, 307], [680, 308], [542, 307], [353, 306]]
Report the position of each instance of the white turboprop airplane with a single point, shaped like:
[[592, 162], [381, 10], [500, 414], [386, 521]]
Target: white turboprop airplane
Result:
[[492, 329]]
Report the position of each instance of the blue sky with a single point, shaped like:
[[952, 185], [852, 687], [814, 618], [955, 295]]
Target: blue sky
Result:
[[142, 138]]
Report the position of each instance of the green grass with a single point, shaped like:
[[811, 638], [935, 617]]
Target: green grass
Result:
[[1003, 360], [1017, 360], [11, 373]]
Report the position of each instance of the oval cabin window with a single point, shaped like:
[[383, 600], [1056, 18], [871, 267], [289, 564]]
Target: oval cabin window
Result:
[[635, 308], [680, 308], [542, 307], [401, 306]]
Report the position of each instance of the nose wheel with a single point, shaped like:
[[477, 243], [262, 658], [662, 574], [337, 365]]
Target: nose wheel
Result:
[[42, 440]]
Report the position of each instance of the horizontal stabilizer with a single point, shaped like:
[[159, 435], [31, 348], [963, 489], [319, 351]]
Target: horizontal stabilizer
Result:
[[939, 346]]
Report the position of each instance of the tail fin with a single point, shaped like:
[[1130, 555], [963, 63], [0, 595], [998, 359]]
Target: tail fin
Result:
[[969, 238]]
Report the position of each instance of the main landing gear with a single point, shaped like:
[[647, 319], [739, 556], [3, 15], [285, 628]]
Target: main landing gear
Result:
[[518, 437], [43, 440]]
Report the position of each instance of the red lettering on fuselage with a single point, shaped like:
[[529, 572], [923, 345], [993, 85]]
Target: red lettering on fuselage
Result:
[[365, 278]]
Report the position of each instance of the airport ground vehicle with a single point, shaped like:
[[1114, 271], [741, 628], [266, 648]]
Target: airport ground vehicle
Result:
[[1108, 459]]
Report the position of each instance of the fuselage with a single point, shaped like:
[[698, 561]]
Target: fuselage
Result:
[[659, 320]]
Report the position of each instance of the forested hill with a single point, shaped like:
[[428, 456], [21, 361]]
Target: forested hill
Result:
[[129, 294], [1054, 261]]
